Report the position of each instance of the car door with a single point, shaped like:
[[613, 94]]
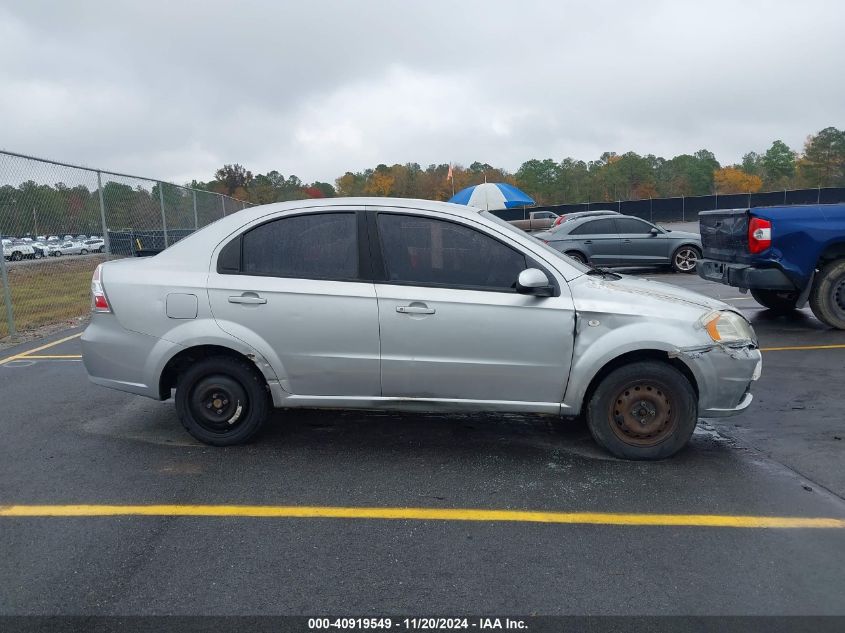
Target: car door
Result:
[[452, 324], [297, 289], [639, 246], [598, 240]]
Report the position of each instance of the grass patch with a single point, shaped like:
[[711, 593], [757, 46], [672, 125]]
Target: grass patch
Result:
[[48, 292]]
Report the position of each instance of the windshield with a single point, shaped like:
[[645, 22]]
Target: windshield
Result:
[[584, 268]]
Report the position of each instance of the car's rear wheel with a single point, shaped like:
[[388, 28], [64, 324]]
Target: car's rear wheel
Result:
[[778, 301], [57, 254], [645, 410], [685, 259], [222, 400], [84, 251], [16, 256], [827, 296], [578, 257]]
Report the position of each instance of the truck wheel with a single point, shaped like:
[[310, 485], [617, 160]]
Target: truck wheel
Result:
[[645, 410], [16, 256], [222, 401], [578, 257], [685, 259], [827, 296], [777, 301]]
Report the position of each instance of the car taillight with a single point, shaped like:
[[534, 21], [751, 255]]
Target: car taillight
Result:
[[99, 302], [759, 235]]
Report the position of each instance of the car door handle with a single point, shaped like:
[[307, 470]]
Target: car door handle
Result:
[[251, 299], [588, 241], [415, 310], [626, 241]]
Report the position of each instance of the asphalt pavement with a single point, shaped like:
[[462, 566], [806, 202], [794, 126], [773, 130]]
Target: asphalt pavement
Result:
[[69, 442]]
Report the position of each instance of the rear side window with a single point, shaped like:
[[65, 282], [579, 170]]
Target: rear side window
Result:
[[595, 227], [630, 225], [311, 246], [427, 251]]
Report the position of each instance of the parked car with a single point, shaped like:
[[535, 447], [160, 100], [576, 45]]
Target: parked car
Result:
[[16, 250], [410, 305], [95, 245], [623, 240], [67, 248], [568, 217], [526, 219], [787, 256]]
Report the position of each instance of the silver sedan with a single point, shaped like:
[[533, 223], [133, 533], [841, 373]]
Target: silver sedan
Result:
[[624, 241], [411, 305]]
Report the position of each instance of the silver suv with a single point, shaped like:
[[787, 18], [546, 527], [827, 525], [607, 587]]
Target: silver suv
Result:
[[376, 303]]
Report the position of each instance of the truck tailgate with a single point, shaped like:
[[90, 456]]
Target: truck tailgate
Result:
[[724, 235]]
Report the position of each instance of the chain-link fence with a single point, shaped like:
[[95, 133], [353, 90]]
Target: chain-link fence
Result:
[[58, 221]]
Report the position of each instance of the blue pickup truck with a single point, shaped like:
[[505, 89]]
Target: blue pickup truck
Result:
[[786, 256]]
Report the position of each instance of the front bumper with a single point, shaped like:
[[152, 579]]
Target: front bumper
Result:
[[724, 376], [744, 275]]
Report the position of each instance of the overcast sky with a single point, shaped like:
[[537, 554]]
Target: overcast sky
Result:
[[175, 89]]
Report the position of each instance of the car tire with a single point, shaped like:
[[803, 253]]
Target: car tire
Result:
[[643, 411], [57, 254], [37, 255], [685, 259], [778, 301], [83, 251], [577, 256], [222, 401], [16, 256], [827, 296]]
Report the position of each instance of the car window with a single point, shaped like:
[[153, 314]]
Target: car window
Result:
[[595, 227], [311, 246], [632, 225], [428, 251]]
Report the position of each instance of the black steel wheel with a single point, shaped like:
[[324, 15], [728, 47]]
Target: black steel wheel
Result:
[[644, 410], [222, 400]]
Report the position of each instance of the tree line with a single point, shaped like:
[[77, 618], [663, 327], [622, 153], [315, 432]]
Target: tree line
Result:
[[628, 176]]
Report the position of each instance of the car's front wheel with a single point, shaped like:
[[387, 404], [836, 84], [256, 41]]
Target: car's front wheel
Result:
[[685, 259], [644, 410], [577, 256], [83, 251], [222, 400]]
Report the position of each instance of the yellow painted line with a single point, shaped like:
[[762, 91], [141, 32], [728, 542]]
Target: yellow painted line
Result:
[[421, 514], [49, 357], [3, 361], [800, 347]]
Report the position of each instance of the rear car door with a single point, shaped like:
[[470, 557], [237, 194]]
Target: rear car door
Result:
[[298, 286], [639, 246], [598, 240], [452, 324]]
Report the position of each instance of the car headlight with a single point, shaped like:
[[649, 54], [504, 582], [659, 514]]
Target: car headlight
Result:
[[724, 326]]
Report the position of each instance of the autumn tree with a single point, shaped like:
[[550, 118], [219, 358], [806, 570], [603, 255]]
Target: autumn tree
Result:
[[734, 180]]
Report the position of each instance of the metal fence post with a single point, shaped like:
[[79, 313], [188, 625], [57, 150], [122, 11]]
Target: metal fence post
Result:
[[196, 221], [107, 242], [223, 205], [683, 208], [7, 293], [163, 218]]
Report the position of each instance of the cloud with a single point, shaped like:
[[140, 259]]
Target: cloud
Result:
[[175, 90]]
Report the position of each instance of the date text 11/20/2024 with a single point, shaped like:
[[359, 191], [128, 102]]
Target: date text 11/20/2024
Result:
[[316, 624]]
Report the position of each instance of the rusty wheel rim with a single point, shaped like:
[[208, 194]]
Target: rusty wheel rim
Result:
[[641, 414]]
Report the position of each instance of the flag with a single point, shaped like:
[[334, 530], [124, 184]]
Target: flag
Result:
[[450, 175]]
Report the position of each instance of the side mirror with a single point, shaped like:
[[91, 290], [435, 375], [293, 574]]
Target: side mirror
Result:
[[533, 281], [654, 231]]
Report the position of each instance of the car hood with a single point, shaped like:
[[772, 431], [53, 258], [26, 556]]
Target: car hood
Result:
[[685, 235], [624, 294]]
